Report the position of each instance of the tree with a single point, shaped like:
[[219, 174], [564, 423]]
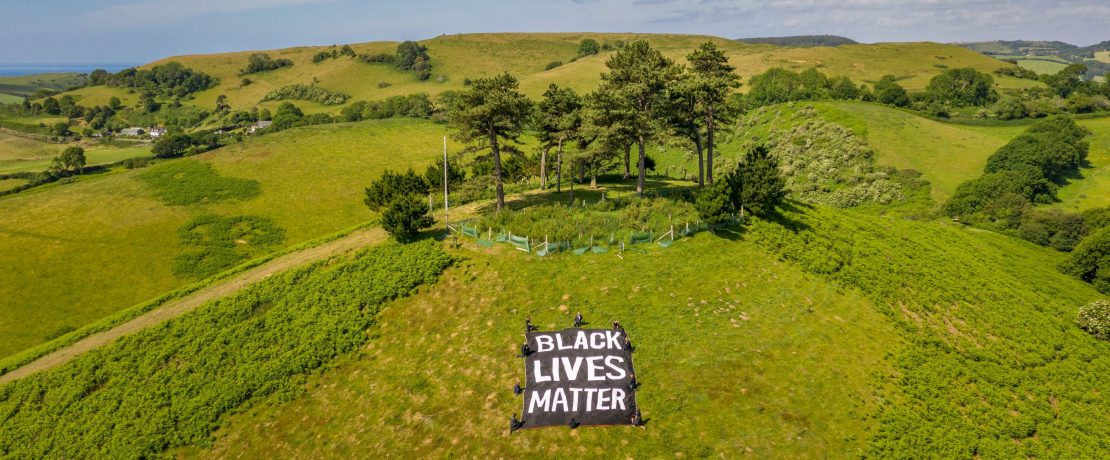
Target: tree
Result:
[[51, 106], [757, 184], [407, 54], [684, 115], [889, 92], [434, 175], [404, 216], [222, 107], [490, 112], [962, 87], [774, 86], [714, 81], [172, 146], [637, 80], [558, 117], [115, 103], [588, 47], [60, 129], [1090, 261], [391, 185], [842, 88], [714, 203], [72, 159], [1068, 80]]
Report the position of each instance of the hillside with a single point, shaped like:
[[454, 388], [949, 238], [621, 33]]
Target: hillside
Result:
[[455, 58], [801, 40], [113, 239]]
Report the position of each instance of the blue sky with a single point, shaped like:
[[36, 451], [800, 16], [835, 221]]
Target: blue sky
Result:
[[136, 31]]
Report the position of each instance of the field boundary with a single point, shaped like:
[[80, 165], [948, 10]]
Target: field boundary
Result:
[[18, 361]]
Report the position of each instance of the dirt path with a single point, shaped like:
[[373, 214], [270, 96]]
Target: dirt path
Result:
[[175, 308]]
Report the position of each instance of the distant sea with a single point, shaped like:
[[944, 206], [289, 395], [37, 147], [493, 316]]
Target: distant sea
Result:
[[11, 70]]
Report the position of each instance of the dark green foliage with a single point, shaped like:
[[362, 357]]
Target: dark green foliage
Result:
[[552, 65], [714, 202], [404, 216], [262, 62], [889, 92], [307, 93], [962, 87], [217, 243], [1068, 80], [50, 106], [383, 58], [987, 192], [1090, 261], [60, 129], [588, 47], [391, 185], [167, 80], [188, 182], [1017, 71], [1054, 228], [176, 145], [434, 175], [1009, 108], [774, 86], [407, 54], [1051, 157], [170, 385], [1097, 218], [757, 185], [417, 105], [1095, 319], [71, 160]]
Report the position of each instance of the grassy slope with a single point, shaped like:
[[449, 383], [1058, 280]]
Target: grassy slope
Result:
[[21, 154], [729, 358], [10, 99], [105, 243], [1093, 190], [456, 57], [734, 350]]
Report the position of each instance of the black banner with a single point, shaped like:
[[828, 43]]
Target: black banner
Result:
[[580, 377]]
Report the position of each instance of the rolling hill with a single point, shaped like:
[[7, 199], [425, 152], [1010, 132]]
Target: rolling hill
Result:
[[455, 58], [114, 241]]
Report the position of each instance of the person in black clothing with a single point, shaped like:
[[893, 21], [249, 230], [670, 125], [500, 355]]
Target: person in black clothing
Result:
[[578, 320], [515, 424], [517, 390], [525, 350], [528, 327], [637, 420], [632, 383], [617, 326], [627, 344], [573, 424]]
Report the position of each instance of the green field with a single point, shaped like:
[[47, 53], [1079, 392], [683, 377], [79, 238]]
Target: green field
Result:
[[872, 327], [113, 243], [1093, 190], [10, 99], [26, 85], [20, 154], [455, 58]]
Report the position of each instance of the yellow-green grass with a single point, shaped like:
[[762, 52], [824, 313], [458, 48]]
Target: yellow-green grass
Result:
[[92, 96], [8, 184], [17, 148], [10, 98], [945, 154], [93, 156], [1042, 66], [1093, 190], [1102, 56], [734, 348], [458, 57], [84, 250]]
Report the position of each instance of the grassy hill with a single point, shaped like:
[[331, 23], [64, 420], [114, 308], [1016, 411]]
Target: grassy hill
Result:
[[20, 154], [455, 58], [112, 241]]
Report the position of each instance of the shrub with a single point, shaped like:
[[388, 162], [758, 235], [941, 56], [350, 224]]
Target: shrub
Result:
[[191, 182], [1095, 318], [888, 91], [757, 184], [552, 65], [588, 47], [391, 185], [1090, 261], [307, 93], [962, 87], [262, 62], [169, 80], [405, 215], [714, 202]]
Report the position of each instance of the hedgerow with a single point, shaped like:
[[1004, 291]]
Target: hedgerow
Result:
[[307, 93], [169, 386]]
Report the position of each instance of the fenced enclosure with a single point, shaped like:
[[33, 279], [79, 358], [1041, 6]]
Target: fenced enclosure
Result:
[[620, 225]]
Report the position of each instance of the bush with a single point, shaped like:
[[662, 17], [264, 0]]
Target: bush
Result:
[[168, 80], [307, 93], [1090, 261], [962, 87], [757, 184], [190, 182], [714, 202], [588, 47], [390, 185], [552, 65], [1095, 318], [888, 91], [405, 215], [262, 62]]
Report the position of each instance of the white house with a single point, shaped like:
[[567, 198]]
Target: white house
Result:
[[260, 126], [136, 132], [155, 133]]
